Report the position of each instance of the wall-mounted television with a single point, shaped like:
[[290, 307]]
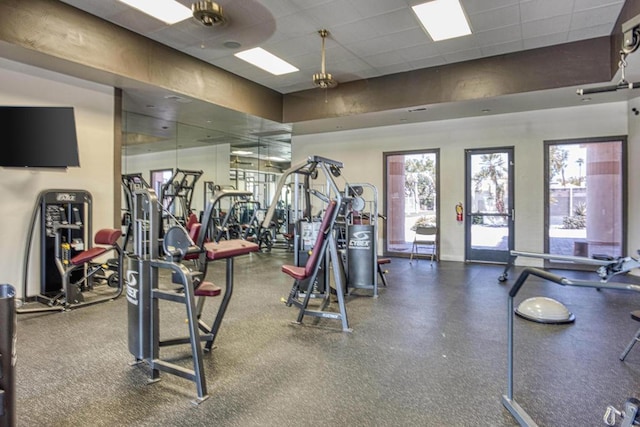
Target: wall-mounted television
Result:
[[39, 137]]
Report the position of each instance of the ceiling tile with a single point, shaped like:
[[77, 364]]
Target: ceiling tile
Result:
[[533, 10], [502, 48], [497, 18], [384, 59], [590, 4], [589, 32], [355, 31], [548, 40], [543, 27], [463, 55], [477, 6], [432, 61], [396, 68], [499, 36], [594, 17], [368, 8], [424, 50], [331, 14]]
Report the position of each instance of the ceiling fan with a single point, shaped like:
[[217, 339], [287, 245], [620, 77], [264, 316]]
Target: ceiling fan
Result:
[[208, 13], [268, 164], [323, 79], [237, 162]]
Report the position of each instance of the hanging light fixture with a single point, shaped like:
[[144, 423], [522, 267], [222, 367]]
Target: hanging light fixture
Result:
[[323, 79], [208, 13]]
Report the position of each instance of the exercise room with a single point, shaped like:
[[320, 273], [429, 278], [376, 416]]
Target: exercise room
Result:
[[284, 212]]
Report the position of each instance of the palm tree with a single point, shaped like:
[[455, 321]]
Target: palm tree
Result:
[[493, 168], [558, 162]]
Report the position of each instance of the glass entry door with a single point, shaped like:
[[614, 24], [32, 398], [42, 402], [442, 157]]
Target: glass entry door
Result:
[[489, 205]]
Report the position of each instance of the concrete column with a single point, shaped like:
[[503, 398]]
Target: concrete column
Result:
[[604, 198]]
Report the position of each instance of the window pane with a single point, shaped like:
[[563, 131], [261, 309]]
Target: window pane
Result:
[[585, 200], [411, 185]]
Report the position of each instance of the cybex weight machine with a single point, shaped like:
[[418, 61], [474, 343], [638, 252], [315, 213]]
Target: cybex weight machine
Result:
[[315, 248], [144, 293], [63, 219]]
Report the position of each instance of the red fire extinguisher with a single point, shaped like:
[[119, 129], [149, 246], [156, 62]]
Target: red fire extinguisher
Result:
[[459, 211]]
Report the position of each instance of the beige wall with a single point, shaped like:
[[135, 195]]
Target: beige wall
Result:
[[361, 151], [22, 85]]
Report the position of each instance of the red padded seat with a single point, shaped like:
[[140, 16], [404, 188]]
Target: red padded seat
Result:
[[297, 273], [193, 219], [300, 273], [207, 289], [229, 248], [194, 232], [88, 255], [384, 261], [106, 236]]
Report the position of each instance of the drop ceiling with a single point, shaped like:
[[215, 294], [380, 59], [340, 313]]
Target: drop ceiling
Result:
[[368, 38]]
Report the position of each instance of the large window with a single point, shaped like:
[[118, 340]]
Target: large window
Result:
[[411, 188], [585, 197]]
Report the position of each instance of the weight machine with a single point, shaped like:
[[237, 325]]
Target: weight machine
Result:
[[177, 193], [315, 248], [130, 183], [143, 292], [356, 224], [68, 267], [240, 219], [361, 232]]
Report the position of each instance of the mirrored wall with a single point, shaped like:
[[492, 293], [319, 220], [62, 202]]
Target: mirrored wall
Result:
[[155, 151]]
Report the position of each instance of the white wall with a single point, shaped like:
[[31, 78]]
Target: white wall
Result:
[[212, 161], [361, 152], [22, 85]]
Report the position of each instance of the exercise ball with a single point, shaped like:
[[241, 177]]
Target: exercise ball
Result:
[[544, 310]]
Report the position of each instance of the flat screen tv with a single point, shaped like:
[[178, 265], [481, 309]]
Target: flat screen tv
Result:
[[39, 137]]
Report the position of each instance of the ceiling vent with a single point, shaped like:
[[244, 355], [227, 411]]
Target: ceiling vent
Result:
[[323, 79], [208, 13]]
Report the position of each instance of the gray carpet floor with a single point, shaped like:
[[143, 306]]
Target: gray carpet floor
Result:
[[430, 351]]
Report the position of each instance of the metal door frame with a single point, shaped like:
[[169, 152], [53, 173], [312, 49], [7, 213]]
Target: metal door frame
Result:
[[488, 255]]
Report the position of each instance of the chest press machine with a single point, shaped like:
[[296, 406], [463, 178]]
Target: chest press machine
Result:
[[144, 294], [311, 267]]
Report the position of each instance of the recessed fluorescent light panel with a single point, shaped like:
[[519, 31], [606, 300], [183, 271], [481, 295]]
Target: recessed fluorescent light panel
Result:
[[168, 11], [443, 19], [267, 61]]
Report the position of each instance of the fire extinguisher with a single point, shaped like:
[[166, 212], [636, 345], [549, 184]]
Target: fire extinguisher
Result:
[[459, 212]]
